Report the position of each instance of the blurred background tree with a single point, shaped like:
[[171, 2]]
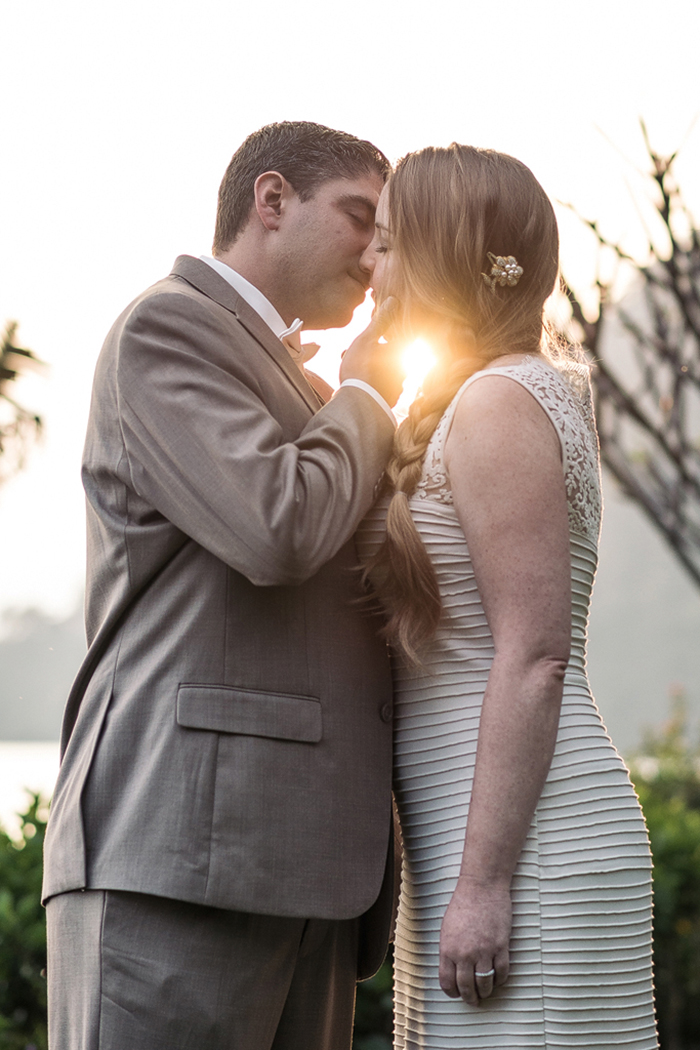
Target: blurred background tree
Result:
[[18, 425], [646, 348]]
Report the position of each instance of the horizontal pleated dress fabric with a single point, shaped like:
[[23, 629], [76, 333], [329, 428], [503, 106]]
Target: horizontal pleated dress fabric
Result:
[[581, 941]]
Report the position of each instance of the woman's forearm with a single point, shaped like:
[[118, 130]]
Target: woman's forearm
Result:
[[517, 734]]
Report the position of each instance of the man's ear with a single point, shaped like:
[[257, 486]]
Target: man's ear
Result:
[[272, 191]]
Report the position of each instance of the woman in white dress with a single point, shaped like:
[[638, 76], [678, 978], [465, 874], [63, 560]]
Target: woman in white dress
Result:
[[525, 914]]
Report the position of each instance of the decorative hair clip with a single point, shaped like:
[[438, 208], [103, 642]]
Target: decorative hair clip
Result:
[[504, 271]]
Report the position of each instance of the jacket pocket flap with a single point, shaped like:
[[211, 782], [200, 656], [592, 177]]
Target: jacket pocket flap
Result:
[[225, 709]]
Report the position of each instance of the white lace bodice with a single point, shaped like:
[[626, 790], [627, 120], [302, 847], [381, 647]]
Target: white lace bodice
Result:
[[564, 394]]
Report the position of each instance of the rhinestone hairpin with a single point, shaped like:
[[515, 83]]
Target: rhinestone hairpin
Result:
[[504, 271]]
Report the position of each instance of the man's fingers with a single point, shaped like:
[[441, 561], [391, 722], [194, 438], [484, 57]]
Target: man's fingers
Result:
[[378, 364], [384, 316]]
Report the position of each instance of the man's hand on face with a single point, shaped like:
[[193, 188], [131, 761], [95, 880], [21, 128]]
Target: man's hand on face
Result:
[[377, 364]]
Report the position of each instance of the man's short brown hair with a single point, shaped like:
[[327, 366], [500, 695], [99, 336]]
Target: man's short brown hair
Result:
[[305, 154]]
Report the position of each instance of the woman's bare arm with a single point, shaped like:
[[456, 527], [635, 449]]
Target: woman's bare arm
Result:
[[504, 461]]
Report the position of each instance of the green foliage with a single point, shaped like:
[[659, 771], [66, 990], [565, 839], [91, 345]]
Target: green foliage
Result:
[[666, 776], [17, 424], [373, 1011], [23, 935]]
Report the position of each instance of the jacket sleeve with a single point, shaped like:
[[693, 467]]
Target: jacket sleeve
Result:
[[203, 449]]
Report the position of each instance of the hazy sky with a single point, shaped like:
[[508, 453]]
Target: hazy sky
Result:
[[118, 119]]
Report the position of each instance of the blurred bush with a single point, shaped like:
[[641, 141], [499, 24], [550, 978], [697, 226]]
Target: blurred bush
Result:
[[666, 775], [23, 935], [373, 1011]]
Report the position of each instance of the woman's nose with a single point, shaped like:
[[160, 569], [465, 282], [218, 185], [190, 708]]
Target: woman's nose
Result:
[[367, 260]]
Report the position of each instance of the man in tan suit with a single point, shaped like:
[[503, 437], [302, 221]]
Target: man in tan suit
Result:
[[220, 830]]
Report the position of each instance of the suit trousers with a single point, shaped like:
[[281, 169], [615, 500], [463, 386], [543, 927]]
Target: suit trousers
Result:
[[128, 971]]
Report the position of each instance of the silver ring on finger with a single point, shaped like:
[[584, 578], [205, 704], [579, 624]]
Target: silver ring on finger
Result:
[[489, 973]]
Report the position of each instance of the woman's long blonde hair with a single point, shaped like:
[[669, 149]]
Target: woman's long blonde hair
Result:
[[448, 208]]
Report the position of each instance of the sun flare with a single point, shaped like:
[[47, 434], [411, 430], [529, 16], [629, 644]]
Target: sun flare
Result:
[[418, 359]]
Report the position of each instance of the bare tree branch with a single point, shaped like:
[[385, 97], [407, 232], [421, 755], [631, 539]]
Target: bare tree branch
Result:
[[646, 353]]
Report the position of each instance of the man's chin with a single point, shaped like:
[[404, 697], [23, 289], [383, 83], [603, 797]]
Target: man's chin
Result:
[[335, 317]]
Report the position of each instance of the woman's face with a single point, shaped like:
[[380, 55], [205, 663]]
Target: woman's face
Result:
[[378, 259]]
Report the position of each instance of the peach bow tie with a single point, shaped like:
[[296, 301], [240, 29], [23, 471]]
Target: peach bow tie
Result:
[[291, 338]]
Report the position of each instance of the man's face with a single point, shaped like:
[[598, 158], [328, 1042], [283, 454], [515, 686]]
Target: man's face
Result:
[[324, 240]]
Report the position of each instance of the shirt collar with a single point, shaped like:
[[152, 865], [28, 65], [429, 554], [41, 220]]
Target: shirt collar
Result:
[[254, 297]]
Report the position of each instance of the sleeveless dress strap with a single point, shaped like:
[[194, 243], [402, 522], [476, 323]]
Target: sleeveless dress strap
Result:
[[566, 400]]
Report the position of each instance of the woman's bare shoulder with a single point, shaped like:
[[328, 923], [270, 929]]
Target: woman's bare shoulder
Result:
[[496, 409]]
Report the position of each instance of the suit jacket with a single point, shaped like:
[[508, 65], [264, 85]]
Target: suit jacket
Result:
[[228, 738]]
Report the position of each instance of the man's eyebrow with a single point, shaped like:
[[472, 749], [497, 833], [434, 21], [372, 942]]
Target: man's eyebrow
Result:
[[357, 198]]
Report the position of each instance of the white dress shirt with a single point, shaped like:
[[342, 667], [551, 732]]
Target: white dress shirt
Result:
[[287, 334]]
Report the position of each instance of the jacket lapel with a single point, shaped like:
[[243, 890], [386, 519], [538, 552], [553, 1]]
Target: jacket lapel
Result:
[[210, 283]]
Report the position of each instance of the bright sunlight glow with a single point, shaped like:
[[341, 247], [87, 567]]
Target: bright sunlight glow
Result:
[[418, 359]]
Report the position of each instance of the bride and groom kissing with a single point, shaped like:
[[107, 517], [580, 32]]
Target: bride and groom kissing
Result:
[[220, 855]]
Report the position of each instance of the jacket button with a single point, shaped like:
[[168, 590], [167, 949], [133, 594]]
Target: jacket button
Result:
[[386, 713]]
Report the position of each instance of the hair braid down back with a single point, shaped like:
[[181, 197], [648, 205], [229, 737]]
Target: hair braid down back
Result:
[[402, 568]]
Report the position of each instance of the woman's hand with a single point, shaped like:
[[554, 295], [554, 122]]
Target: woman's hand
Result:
[[474, 940]]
